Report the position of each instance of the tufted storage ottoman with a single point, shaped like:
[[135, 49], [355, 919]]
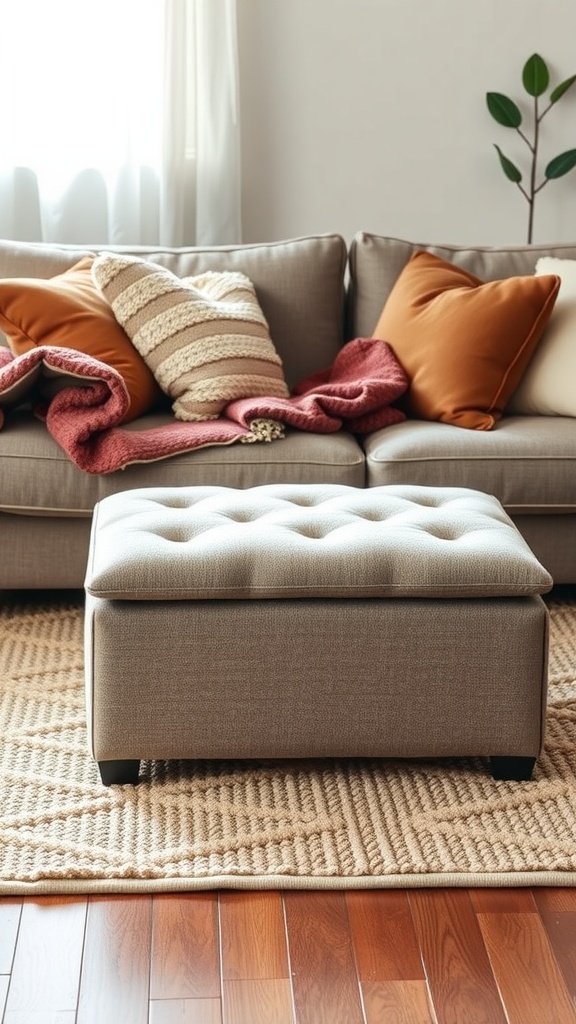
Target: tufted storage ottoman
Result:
[[290, 621]]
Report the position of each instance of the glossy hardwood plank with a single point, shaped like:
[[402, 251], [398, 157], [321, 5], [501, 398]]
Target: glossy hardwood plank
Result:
[[115, 977], [185, 1011], [46, 969], [185, 947], [397, 1002], [261, 1001], [324, 981], [348, 950], [10, 912], [503, 901], [253, 935], [460, 979], [561, 931], [557, 908], [555, 899], [383, 935], [531, 985]]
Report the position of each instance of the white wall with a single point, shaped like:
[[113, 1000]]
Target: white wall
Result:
[[371, 115]]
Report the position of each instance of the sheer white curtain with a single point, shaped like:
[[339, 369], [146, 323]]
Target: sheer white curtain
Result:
[[119, 122]]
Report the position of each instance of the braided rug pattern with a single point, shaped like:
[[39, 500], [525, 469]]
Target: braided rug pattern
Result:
[[315, 824]]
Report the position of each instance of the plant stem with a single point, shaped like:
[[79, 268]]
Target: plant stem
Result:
[[530, 195], [533, 172]]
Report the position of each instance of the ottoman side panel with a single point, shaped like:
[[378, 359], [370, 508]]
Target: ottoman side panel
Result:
[[317, 678]]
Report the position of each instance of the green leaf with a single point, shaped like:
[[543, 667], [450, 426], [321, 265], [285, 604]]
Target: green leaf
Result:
[[535, 76], [559, 91], [561, 164], [510, 169], [503, 110]]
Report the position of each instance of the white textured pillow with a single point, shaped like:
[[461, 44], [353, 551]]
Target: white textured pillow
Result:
[[547, 387], [205, 338]]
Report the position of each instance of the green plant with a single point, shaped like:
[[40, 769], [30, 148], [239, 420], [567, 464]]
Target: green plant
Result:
[[535, 79]]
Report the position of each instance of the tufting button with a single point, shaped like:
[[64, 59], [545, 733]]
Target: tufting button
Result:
[[313, 531], [174, 501], [173, 536], [241, 516]]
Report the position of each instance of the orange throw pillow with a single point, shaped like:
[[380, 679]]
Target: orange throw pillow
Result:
[[68, 311], [464, 343]]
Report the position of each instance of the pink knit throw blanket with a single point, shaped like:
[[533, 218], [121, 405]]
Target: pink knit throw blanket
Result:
[[82, 402]]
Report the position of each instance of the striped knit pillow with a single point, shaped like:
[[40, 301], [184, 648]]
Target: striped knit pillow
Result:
[[204, 338]]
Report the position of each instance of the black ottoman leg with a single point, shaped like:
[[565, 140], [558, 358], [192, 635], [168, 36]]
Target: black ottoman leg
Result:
[[119, 773], [513, 769]]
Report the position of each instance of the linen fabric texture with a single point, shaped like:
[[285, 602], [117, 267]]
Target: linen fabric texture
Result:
[[285, 541], [463, 342], [457, 665], [530, 468], [205, 338], [69, 311], [374, 693]]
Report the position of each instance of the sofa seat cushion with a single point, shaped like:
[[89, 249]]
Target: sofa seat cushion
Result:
[[38, 478], [527, 462]]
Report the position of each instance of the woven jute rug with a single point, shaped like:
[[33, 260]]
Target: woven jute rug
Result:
[[316, 824]]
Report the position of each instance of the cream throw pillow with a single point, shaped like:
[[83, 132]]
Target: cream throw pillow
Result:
[[548, 385], [204, 338]]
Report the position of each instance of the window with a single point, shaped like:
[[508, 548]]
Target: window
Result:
[[99, 118]]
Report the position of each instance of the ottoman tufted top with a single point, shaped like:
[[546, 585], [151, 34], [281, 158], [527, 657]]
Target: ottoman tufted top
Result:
[[305, 540]]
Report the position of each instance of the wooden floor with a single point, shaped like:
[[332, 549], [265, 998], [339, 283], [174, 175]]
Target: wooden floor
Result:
[[443, 956]]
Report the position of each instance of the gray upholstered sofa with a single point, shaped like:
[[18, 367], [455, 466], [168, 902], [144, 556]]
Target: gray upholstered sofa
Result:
[[316, 294]]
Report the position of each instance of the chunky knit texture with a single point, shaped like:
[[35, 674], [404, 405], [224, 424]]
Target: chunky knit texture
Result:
[[205, 338], [292, 824]]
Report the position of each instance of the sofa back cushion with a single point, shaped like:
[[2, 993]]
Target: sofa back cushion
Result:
[[299, 284], [376, 262]]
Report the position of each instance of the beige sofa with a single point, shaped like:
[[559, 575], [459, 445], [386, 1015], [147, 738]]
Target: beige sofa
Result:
[[316, 294]]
